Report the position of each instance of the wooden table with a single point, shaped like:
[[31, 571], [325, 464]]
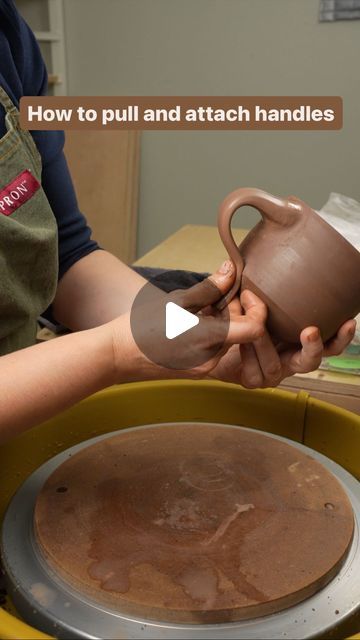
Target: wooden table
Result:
[[198, 248]]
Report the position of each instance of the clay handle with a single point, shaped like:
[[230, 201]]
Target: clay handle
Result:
[[279, 211]]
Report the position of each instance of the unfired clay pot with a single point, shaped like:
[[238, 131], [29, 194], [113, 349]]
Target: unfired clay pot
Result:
[[304, 270]]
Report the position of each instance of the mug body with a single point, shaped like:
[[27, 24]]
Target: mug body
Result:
[[306, 273]]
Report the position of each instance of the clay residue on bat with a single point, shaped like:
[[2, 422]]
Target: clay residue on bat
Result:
[[187, 524], [222, 528]]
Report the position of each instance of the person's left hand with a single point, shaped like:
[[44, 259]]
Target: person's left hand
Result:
[[260, 365]]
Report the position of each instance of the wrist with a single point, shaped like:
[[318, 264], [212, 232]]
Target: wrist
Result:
[[102, 350], [128, 363]]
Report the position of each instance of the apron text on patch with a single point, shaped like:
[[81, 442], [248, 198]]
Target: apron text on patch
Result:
[[17, 192]]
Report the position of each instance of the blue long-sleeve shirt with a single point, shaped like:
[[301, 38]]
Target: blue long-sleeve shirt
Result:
[[23, 72]]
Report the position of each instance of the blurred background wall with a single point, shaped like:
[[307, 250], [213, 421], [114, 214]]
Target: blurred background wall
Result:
[[229, 47]]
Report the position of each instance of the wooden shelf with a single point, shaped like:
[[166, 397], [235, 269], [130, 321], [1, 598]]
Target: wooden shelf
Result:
[[53, 78], [47, 36], [50, 35]]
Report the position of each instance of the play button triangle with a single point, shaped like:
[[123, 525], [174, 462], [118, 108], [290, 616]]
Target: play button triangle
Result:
[[178, 320]]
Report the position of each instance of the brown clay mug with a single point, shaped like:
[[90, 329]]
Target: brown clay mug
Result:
[[306, 272]]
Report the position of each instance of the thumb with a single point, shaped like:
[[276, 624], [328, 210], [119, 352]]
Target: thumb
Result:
[[210, 290]]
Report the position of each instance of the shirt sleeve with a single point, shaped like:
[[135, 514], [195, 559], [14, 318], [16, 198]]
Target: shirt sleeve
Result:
[[74, 233], [75, 240]]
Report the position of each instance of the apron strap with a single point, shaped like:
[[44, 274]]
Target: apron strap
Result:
[[6, 102]]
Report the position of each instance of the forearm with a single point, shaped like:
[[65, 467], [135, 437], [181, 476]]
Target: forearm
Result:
[[96, 289], [40, 381]]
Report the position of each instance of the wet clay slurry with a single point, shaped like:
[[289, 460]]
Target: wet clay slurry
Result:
[[197, 523], [305, 271]]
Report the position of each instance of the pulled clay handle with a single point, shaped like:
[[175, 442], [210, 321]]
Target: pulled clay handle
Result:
[[280, 211]]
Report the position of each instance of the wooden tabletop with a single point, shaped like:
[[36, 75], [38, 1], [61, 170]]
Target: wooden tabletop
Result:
[[199, 248], [193, 247]]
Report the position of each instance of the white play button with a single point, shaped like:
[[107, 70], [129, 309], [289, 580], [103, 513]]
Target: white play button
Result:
[[178, 320], [167, 333]]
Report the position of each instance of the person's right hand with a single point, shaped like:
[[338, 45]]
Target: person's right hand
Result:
[[131, 364]]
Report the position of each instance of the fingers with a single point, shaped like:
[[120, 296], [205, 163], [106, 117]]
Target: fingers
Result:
[[250, 326], [309, 357], [209, 290], [251, 374], [253, 307], [242, 330], [269, 361], [261, 362], [229, 368], [261, 365], [343, 338], [313, 350], [234, 307]]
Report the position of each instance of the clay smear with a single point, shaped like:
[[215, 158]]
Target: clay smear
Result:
[[223, 527]]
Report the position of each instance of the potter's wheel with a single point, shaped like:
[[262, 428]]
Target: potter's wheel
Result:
[[201, 531]]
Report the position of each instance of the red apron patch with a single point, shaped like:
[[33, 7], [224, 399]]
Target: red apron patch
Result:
[[19, 191]]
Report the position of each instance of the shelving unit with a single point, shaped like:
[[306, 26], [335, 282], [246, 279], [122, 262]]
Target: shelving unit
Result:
[[104, 165], [51, 39]]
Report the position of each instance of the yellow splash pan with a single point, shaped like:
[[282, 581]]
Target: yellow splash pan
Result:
[[330, 430]]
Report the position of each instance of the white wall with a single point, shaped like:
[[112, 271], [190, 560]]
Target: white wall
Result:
[[210, 47]]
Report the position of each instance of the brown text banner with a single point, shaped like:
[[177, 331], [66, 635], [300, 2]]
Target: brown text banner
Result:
[[182, 112]]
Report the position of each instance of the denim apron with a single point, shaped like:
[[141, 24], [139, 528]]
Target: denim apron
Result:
[[28, 236]]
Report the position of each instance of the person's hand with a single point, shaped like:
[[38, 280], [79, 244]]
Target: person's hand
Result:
[[261, 364], [220, 332]]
